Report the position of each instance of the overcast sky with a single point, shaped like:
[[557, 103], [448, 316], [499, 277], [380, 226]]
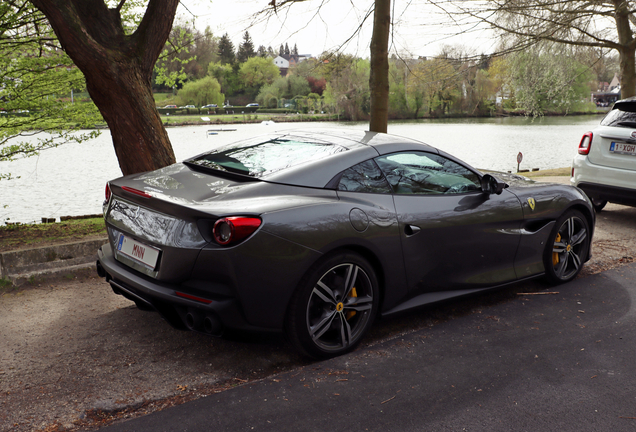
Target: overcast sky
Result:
[[316, 26]]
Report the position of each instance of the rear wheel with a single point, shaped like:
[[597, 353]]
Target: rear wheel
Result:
[[333, 306], [598, 204], [567, 248]]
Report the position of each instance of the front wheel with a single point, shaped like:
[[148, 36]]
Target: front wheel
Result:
[[333, 306], [567, 248]]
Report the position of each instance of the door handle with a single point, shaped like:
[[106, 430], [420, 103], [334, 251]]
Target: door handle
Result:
[[411, 230]]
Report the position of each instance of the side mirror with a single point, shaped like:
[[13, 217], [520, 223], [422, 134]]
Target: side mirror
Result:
[[491, 185]]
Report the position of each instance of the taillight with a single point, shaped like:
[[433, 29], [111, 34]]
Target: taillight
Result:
[[585, 144], [136, 192], [107, 193], [191, 297], [233, 229]]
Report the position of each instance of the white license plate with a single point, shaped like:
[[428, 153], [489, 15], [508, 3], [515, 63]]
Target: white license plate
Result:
[[147, 255], [623, 148]]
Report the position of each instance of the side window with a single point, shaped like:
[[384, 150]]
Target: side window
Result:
[[414, 172], [364, 177]]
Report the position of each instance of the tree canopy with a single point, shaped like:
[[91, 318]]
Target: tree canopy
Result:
[[245, 49], [606, 25], [226, 50], [37, 80], [117, 59]]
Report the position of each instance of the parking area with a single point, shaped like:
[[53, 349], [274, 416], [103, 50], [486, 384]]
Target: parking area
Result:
[[74, 355]]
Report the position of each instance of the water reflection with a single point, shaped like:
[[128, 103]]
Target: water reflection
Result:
[[70, 180]]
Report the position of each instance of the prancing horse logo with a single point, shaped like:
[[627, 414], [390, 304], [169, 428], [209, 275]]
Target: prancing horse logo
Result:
[[531, 203]]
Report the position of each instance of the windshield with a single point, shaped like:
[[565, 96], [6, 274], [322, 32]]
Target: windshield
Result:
[[265, 155]]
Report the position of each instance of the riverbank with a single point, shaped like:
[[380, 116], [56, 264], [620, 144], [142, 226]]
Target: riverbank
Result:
[[253, 118], [258, 117], [555, 172]]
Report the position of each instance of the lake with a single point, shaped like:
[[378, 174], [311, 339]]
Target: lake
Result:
[[70, 180]]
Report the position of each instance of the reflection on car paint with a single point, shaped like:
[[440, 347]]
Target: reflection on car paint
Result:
[[152, 226]]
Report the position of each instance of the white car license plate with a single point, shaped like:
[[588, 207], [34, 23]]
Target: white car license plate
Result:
[[147, 255], [623, 148]]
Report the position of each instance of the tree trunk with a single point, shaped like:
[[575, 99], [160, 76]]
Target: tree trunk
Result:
[[627, 50], [628, 72], [118, 71], [124, 97], [379, 76]]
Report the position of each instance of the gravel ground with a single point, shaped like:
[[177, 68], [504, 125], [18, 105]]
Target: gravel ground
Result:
[[74, 356]]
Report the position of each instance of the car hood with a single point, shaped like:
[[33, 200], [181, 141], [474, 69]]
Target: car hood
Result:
[[514, 180]]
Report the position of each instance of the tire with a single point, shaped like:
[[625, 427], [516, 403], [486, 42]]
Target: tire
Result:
[[333, 306], [567, 248], [598, 204]]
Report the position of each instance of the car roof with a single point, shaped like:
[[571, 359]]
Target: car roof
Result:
[[361, 146], [627, 101]]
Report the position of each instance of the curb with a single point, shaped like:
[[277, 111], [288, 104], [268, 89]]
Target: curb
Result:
[[27, 265]]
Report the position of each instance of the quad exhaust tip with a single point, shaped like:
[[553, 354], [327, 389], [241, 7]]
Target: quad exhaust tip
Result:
[[198, 321], [194, 319]]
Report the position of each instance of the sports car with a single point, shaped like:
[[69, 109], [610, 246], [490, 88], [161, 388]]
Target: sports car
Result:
[[318, 233]]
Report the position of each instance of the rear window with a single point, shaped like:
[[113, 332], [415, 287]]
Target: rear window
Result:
[[265, 155], [622, 115]]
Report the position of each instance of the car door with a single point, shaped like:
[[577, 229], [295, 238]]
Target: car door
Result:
[[365, 192], [454, 236]]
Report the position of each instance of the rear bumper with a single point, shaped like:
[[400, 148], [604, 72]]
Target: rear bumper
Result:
[[613, 194], [615, 185], [185, 312]]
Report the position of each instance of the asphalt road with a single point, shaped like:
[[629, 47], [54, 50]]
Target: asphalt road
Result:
[[560, 360]]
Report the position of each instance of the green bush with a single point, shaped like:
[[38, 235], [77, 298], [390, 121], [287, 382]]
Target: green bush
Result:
[[276, 110]]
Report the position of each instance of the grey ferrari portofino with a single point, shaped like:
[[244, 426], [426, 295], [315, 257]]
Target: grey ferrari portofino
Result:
[[317, 233]]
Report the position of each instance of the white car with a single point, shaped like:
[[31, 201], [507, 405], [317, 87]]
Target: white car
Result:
[[605, 167]]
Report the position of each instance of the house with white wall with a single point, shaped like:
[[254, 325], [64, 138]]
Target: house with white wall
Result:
[[286, 61]]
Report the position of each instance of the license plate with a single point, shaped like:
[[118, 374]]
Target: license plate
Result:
[[147, 255], [623, 148]]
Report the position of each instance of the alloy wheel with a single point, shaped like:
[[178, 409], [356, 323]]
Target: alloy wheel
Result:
[[570, 248], [339, 307]]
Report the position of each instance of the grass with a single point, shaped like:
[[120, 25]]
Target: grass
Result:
[[161, 97], [33, 235], [549, 172]]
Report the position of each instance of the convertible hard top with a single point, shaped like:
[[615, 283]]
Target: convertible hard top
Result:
[[301, 157]]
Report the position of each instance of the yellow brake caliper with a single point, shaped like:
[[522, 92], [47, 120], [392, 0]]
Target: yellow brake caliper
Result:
[[353, 293], [555, 255]]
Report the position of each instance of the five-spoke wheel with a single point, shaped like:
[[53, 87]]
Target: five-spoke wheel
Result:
[[334, 306], [568, 247]]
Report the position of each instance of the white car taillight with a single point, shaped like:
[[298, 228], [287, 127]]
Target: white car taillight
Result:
[[585, 144]]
